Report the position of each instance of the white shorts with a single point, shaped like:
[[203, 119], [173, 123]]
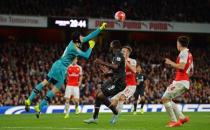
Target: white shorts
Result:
[[185, 83], [177, 88], [72, 91], [128, 92]]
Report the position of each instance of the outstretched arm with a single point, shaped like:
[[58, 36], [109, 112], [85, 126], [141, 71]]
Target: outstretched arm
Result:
[[91, 35], [94, 33], [109, 65], [175, 65], [83, 54], [88, 52]]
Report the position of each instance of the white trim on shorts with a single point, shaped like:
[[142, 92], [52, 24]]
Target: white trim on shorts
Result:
[[128, 92], [185, 83], [72, 91]]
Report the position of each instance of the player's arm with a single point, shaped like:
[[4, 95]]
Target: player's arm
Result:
[[106, 71], [94, 33], [175, 65], [88, 52], [131, 65], [109, 65], [117, 60], [183, 60]]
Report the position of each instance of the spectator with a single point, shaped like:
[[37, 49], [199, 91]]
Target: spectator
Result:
[[23, 65]]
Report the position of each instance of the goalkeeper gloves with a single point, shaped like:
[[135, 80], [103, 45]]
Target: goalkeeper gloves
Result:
[[103, 26], [91, 44]]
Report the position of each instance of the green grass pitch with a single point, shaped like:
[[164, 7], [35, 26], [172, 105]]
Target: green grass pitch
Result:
[[127, 121]]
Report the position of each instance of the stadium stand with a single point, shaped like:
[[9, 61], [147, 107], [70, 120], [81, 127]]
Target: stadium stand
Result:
[[26, 63], [164, 10]]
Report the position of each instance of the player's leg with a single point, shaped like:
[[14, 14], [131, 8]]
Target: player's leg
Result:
[[121, 102], [166, 100], [67, 96], [50, 94], [76, 99], [34, 93], [136, 98], [97, 105], [66, 108], [171, 92], [108, 103], [142, 101], [56, 86], [179, 90], [125, 95], [101, 98]]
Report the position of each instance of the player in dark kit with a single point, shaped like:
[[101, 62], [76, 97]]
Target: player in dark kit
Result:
[[139, 90], [113, 86]]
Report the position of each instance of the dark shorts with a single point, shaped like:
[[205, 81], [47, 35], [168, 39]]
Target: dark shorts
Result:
[[110, 88], [139, 91]]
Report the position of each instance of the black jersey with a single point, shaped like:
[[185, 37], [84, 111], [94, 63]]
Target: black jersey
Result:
[[140, 85], [119, 73], [140, 78], [117, 82]]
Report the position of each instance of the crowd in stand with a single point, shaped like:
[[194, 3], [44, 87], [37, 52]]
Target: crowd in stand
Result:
[[24, 64], [167, 10]]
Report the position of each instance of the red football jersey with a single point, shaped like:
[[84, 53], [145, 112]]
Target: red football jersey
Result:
[[74, 73], [184, 57], [130, 75]]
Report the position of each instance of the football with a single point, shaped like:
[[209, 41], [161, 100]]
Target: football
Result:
[[120, 16]]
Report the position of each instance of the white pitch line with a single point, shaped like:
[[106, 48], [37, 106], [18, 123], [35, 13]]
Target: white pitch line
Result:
[[65, 128]]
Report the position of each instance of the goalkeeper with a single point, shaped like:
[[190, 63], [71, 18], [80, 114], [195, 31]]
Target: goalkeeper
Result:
[[57, 73]]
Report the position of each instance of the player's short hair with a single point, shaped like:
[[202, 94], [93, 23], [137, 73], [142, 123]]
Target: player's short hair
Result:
[[183, 40], [76, 37], [128, 47], [116, 44]]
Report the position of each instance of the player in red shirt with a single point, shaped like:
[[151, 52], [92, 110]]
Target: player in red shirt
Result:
[[184, 69], [74, 80], [131, 83]]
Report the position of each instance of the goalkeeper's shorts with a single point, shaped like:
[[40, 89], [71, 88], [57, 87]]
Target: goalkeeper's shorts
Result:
[[57, 74]]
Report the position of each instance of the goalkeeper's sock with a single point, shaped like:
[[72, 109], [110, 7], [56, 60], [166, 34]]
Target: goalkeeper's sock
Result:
[[35, 91], [177, 112], [97, 108], [49, 96], [170, 111]]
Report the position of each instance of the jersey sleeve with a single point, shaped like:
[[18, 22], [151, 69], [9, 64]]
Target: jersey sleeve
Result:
[[183, 57], [133, 62], [84, 54], [91, 35]]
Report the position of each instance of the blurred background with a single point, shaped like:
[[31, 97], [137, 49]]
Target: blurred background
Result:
[[34, 33]]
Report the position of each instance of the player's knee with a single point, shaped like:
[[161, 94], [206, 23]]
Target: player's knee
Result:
[[100, 96], [122, 98], [142, 98], [67, 100], [76, 100], [114, 102], [45, 82], [164, 100], [55, 90]]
